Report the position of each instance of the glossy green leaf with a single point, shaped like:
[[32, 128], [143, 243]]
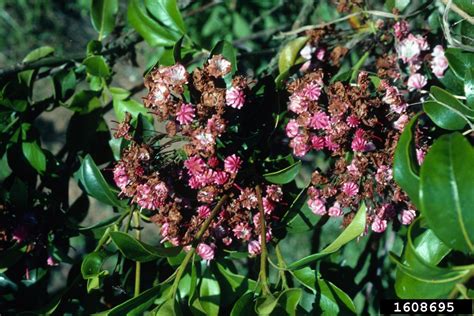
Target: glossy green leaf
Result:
[[149, 29], [169, 308], [303, 219], [460, 61], [39, 53], [97, 66], [425, 282], [405, 165], [167, 12], [244, 305], [131, 106], [285, 175], [133, 303], [289, 53], [396, 4], [358, 65], [137, 250], [465, 5], [289, 300], [35, 156], [265, 305], [209, 294], [447, 191], [92, 264], [95, 184], [355, 229], [469, 88], [103, 14], [332, 299], [447, 111]]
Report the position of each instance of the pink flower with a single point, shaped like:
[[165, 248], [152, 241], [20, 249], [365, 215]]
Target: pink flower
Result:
[[318, 142], [254, 248], [194, 183], [274, 192], [384, 174], [160, 93], [335, 210], [400, 29], [408, 216], [205, 177], [401, 122], [227, 240], [185, 114], [299, 145], [416, 81], [213, 162], [297, 103], [353, 121], [151, 197], [317, 206], [420, 155], [205, 251], [242, 231], [439, 63], [177, 74], [379, 225], [194, 164], [350, 188], [51, 262], [268, 205], [359, 143], [311, 91], [320, 53], [330, 144], [221, 177], [235, 98], [391, 95], [409, 49], [292, 128], [232, 164], [204, 211], [120, 176], [164, 231], [319, 120], [352, 169]]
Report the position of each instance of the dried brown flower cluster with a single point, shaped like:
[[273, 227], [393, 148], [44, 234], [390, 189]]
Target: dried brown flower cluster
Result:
[[197, 107]]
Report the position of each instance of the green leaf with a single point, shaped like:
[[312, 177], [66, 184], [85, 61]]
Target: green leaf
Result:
[[35, 156], [38, 53], [135, 302], [459, 61], [264, 305], [131, 106], [332, 299], [469, 88], [358, 65], [244, 305], [91, 266], [303, 219], [405, 165], [103, 16], [226, 49], [285, 175], [289, 53], [149, 29], [209, 294], [97, 66], [447, 191], [137, 250], [427, 282], [355, 229], [95, 184], [465, 5], [167, 12], [169, 308], [289, 300]]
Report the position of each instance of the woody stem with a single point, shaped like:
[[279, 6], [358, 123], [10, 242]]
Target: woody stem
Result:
[[263, 239], [136, 218], [196, 241]]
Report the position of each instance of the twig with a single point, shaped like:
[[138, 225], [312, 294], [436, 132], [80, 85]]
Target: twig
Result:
[[263, 243], [459, 11], [136, 217], [196, 241], [202, 8]]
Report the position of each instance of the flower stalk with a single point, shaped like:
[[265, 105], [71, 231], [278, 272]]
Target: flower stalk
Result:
[[136, 218], [263, 237]]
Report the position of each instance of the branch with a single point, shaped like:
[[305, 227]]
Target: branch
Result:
[[119, 46]]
